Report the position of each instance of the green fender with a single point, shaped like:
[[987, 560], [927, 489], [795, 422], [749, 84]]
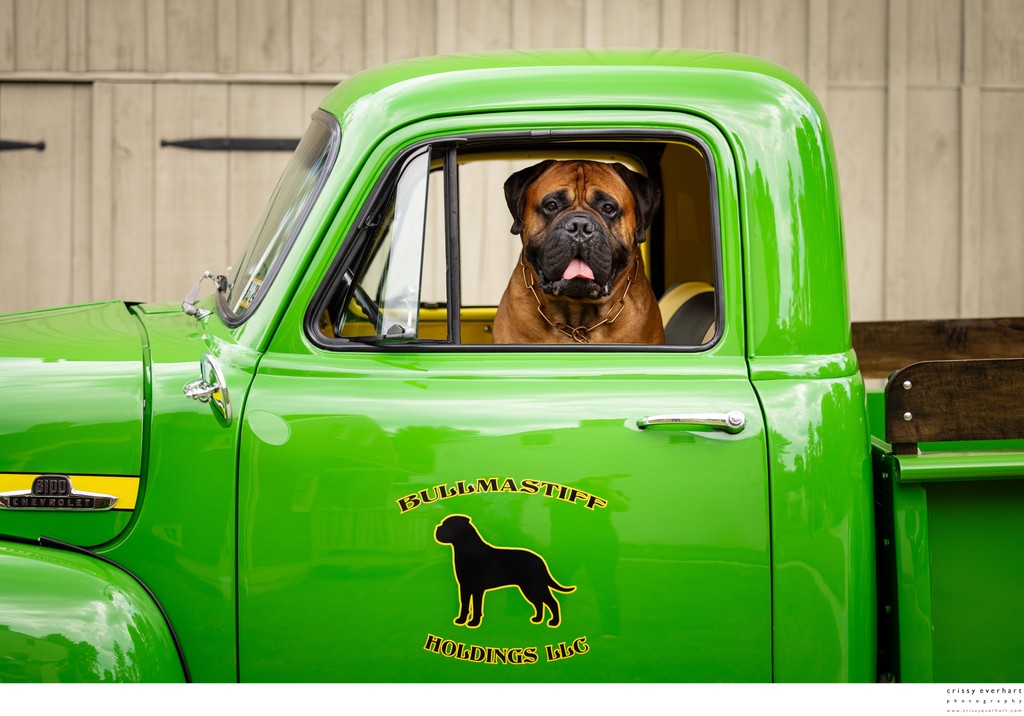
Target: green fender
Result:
[[71, 616]]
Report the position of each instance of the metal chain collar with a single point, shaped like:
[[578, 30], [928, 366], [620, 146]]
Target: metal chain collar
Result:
[[581, 334]]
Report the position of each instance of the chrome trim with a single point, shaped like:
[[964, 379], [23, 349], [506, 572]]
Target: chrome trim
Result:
[[732, 422], [211, 387], [40, 500]]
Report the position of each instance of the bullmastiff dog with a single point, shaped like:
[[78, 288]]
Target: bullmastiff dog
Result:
[[580, 276]]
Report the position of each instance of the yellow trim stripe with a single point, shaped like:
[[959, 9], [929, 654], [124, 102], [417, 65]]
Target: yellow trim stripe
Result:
[[125, 489]]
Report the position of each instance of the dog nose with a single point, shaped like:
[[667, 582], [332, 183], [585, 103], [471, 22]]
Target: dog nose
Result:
[[579, 226]]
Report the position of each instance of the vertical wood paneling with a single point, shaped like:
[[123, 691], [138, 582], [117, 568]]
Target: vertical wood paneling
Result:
[[533, 27], [1003, 49], [970, 160], [337, 38], [935, 49], [932, 234], [81, 205], [197, 21], [258, 110], [483, 25], [1001, 250], [858, 125], [129, 187], [78, 35], [634, 24], [897, 266], [40, 34], [191, 188], [264, 32], [6, 35], [775, 30], [701, 24], [36, 248], [117, 35], [858, 41], [923, 99]]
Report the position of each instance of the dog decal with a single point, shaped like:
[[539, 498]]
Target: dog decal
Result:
[[481, 567]]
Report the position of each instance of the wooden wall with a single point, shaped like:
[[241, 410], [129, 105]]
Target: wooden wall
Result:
[[924, 96]]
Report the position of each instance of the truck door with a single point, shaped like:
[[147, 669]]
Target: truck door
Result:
[[417, 505]]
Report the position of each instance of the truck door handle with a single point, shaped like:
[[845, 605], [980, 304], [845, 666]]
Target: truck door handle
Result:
[[731, 422], [210, 388]]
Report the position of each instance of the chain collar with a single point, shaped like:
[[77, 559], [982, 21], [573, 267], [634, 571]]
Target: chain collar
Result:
[[581, 334]]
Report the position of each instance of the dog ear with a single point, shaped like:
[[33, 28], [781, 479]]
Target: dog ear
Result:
[[515, 191], [646, 197]]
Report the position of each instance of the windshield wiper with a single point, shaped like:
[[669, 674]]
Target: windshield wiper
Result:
[[189, 304]]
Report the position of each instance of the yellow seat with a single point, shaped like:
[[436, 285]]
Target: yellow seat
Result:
[[688, 314]]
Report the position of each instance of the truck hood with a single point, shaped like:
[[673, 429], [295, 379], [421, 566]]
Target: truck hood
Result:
[[72, 392]]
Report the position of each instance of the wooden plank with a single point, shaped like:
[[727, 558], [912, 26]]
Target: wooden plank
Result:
[[158, 18], [858, 42], [301, 39], [483, 25], [1002, 50], [346, 19], [81, 201], [258, 110], [263, 36], [414, 33], [7, 35], [1001, 250], [101, 208], [898, 267], [818, 38], [858, 128], [955, 400], [117, 35], [775, 30], [227, 35], [198, 21], [191, 201], [886, 346], [532, 26], [931, 284], [970, 161], [634, 24], [700, 24], [78, 35], [935, 43], [40, 35], [35, 206], [132, 146]]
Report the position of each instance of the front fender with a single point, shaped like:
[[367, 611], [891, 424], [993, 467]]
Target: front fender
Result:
[[66, 616]]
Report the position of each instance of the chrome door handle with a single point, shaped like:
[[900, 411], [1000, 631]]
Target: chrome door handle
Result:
[[210, 388], [732, 422]]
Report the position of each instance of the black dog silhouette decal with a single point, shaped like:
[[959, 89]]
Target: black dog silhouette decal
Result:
[[480, 567]]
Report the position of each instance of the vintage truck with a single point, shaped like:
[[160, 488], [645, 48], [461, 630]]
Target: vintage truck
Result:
[[262, 484]]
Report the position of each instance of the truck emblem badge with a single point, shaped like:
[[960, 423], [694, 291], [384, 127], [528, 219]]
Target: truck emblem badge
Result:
[[481, 567], [55, 492]]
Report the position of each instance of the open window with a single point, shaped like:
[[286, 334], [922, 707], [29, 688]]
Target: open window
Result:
[[432, 253]]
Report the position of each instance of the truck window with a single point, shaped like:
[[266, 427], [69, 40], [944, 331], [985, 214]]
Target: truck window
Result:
[[472, 262], [281, 221]]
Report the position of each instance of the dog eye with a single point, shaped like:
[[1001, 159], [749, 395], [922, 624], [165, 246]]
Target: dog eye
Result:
[[609, 209], [550, 206]]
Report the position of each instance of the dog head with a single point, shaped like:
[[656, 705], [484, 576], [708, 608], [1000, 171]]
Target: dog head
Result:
[[452, 528], [580, 223]]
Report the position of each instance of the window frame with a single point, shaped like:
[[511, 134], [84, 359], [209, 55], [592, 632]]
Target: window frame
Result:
[[232, 319], [447, 147]]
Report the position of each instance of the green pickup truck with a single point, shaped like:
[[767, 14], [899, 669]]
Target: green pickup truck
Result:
[[327, 468]]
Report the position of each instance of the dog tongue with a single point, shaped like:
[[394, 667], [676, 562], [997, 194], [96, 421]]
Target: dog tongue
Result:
[[577, 269]]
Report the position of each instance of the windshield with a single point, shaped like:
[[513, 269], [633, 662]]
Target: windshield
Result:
[[285, 213]]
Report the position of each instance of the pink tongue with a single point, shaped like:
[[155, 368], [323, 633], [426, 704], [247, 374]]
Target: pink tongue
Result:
[[577, 269]]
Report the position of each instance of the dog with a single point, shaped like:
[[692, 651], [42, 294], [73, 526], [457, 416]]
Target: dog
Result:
[[480, 567], [580, 277]]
